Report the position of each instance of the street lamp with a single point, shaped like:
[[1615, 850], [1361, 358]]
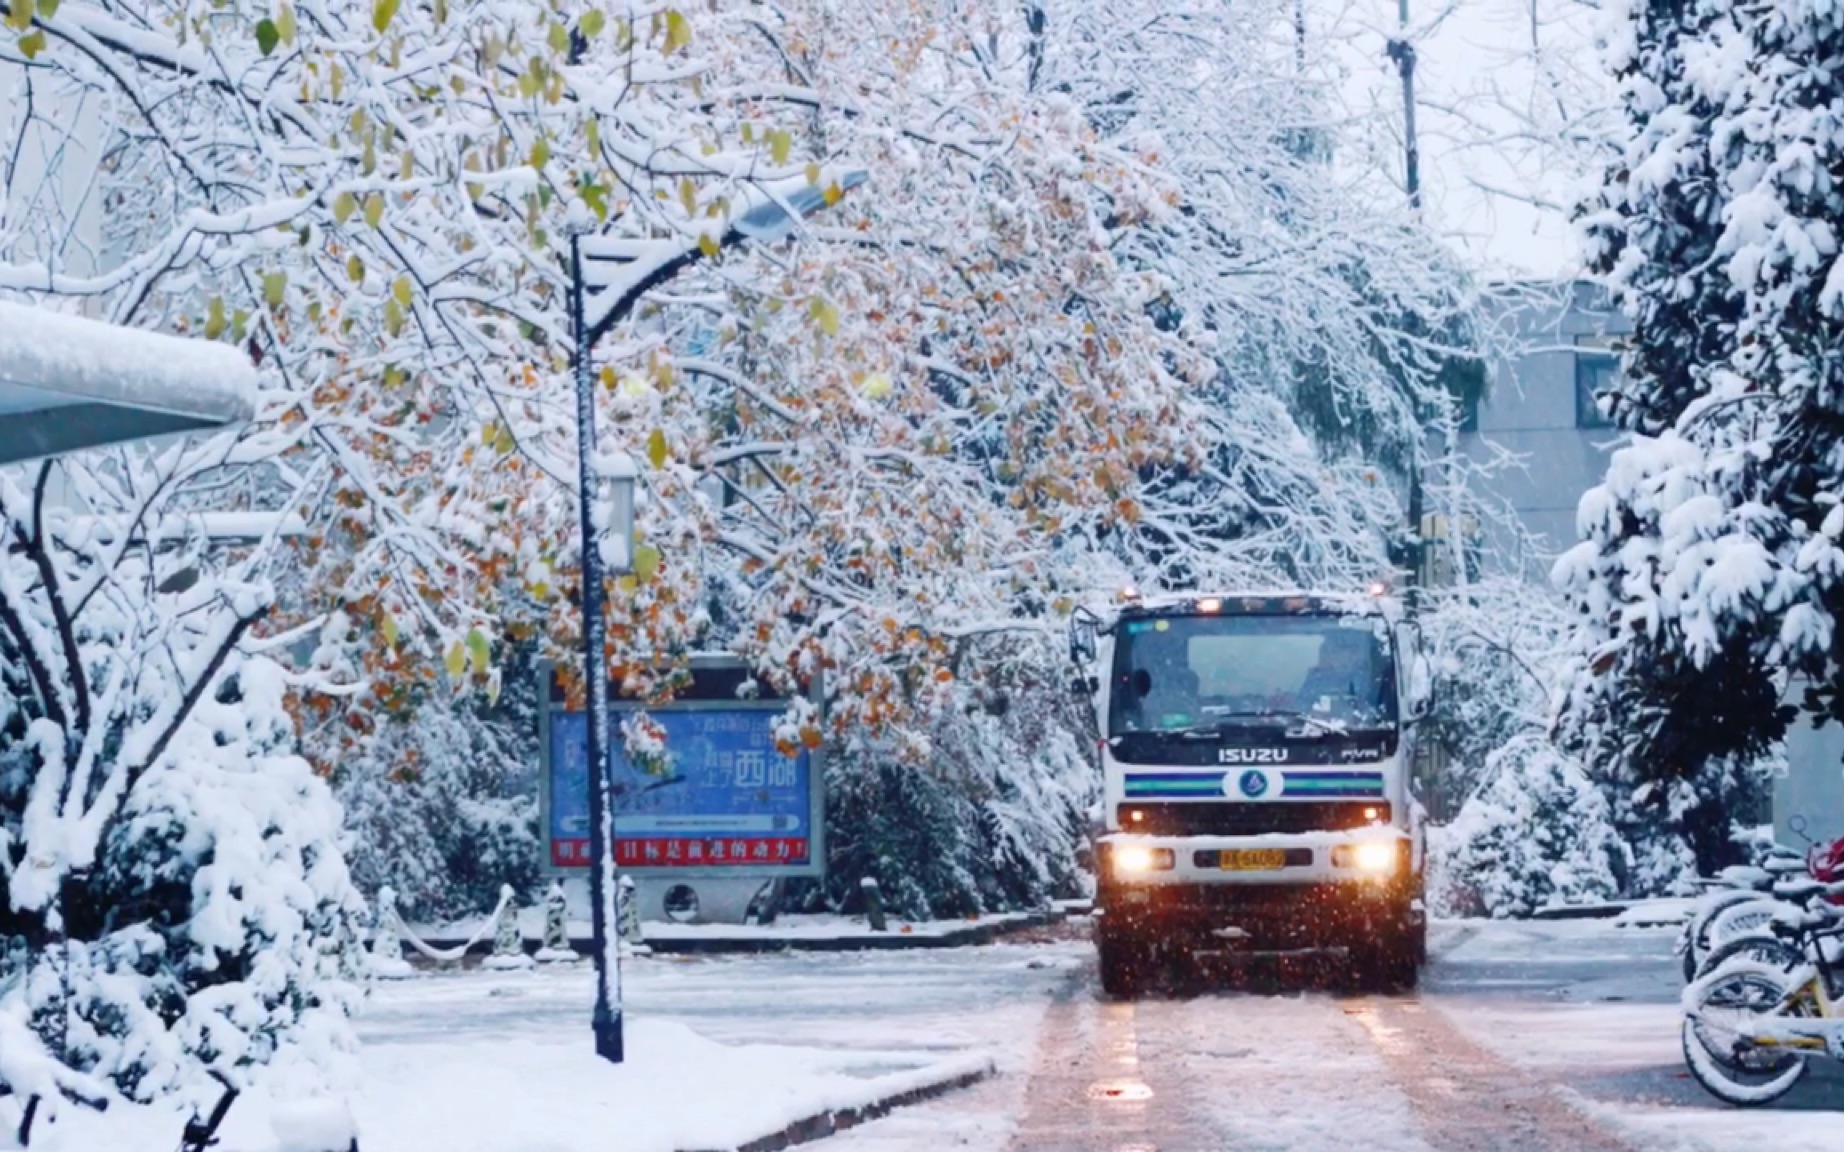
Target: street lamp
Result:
[[638, 266]]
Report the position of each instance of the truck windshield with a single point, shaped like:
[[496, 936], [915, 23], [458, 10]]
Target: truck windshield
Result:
[[1209, 672]]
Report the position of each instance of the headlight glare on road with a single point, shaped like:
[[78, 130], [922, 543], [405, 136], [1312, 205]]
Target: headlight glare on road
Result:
[[1136, 860], [1375, 857]]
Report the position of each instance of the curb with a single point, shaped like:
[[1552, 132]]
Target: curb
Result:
[[1580, 912], [970, 936], [830, 1122]]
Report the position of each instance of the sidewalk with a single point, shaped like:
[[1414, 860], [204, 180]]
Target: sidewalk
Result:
[[800, 933]]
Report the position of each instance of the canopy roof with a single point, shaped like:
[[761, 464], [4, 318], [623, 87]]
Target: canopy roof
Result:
[[68, 383]]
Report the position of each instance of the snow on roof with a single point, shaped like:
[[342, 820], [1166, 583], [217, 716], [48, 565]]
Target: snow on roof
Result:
[[68, 383]]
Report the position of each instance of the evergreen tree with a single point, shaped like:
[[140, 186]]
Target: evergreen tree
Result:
[[1710, 566], [1537, 832]]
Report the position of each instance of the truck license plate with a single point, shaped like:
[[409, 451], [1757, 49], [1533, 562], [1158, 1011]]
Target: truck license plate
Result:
[[1251, 859]]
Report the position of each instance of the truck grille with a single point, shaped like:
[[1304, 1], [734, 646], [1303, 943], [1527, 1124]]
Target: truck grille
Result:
[[1239, 818]]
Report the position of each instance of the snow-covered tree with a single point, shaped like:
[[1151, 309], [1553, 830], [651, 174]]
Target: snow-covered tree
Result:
[[441, 799], [171, 885], [1710, 566], [1537, 831]]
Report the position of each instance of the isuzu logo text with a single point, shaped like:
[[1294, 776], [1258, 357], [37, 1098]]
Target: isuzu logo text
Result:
[[1251, 755]]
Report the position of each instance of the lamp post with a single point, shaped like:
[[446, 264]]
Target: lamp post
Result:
[[639, 266]]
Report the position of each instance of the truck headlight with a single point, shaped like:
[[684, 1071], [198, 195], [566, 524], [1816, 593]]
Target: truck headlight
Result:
[[1135, 860], [1376, 857]]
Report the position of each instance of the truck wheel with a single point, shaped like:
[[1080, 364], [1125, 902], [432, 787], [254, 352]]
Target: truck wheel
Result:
[[1123, 963], [1387, 966]]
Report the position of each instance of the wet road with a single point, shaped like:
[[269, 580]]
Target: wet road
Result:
[[1266, 1073], [1524, 1038]]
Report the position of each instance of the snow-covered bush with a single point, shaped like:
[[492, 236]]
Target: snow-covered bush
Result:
[[988, 815], [1537, 831], [192, 915], [442, 807]]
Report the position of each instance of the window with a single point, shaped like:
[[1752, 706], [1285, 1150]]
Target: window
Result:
[[1595, 372], [1469, 412]]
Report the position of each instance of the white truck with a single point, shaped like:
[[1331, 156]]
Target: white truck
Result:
[[1256, 756]]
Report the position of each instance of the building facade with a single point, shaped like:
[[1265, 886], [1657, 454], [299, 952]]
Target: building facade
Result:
[[1538, 437]]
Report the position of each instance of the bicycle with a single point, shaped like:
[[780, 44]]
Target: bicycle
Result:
[[1755, 1018], [1745, 899]]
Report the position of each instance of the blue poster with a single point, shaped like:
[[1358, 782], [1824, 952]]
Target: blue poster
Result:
[[722, 795]]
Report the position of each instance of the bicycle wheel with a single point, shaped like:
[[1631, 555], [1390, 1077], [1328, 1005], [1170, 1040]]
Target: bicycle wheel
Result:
[[1759, 948], [1696, 932], [1746, 918], [1718, 1020]]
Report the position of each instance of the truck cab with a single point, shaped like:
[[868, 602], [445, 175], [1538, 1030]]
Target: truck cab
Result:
[[1255, 756]]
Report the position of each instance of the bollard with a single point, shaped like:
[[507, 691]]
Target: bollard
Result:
[[874, 904], [555, 948], [629, 913], [387, 959], [508, 941], [767, 904]]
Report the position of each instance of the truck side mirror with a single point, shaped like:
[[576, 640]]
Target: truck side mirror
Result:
[[1084, 686]]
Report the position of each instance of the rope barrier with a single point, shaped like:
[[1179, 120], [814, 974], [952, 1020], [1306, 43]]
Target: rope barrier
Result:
[[389, 919]]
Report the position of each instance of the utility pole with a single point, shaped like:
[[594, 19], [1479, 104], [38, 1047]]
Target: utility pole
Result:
[[1403, 53]]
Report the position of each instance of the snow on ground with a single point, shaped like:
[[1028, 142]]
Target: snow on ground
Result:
[[721, 1050], [1593, 1007]]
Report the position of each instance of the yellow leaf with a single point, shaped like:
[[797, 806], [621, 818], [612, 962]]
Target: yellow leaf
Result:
[[275, 285], [592, 23], [480, 650], [503, 441], [627, 583], [490, 432], [688, 195], [825, 315], [540, 152], [214, 318], [285, 23], [33, 42], [402, 290], [456, 660], [780, 145], [833, 194], [707, 244], [355, 268], [656, 448], [877, 386], [813, 174], [343, 206], [678, 31], [646, 563], [374, 209], [18, 15], [390, 630]]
